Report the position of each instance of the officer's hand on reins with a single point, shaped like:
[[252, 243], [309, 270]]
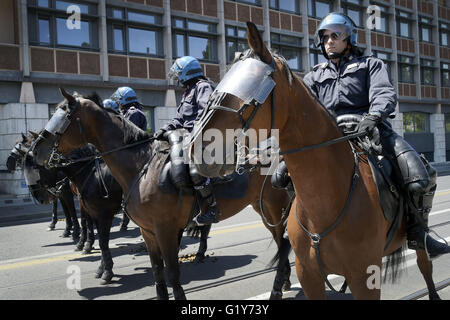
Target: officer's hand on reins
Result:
[[159, 135], [368, 124]]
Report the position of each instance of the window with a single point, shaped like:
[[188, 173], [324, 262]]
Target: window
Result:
[[315, 55], [406, 69], [444, 34], [133, 32], [52, 24], [445, 74], [354, 12], [289, 47], [285, 5], [403, 24], [416, 122], [255, 2], [236, 41], [319, 9], [425, 29], [427, 71], [447, 122], [194, 38]]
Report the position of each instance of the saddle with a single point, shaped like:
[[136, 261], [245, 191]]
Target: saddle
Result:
[[392, 200], [233, 186]]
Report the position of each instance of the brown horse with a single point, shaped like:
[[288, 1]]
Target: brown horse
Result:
[[325, 179], [79, 121]]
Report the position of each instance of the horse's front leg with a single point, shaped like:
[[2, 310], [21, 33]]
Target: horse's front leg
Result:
[[89, 245], [157, 262], [83, 234], [54, 215], [426, 268], [103, 228], [168, 240]]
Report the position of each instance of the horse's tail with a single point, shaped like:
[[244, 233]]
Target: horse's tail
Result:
[[394, 265], [283, 252]]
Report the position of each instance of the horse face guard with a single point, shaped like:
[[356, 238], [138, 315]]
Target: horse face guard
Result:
[[56, 127], [251, 81]]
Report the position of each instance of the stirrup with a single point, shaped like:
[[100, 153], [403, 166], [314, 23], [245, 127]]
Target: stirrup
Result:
[[208, 218]]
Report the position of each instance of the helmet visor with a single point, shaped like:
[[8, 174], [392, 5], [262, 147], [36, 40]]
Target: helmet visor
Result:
[[338, 32]]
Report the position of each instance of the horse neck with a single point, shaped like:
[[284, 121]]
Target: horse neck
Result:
[[321, 176], [108, 134]]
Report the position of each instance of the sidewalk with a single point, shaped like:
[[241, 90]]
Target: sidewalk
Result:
[[16, 209]]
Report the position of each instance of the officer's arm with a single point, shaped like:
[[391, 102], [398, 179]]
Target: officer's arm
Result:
[[204, 91], [382, 95], [309, 83]]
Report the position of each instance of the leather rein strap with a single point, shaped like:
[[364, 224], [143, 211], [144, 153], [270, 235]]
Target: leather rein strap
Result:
[[315, 237]]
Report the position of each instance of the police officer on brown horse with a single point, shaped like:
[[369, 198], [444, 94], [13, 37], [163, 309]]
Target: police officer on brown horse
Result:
[[349, 83], [188, 71]]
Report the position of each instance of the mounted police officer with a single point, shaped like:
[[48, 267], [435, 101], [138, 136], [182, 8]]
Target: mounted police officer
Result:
[[124, 100], [188, 71], [349, 83], [128, 103]]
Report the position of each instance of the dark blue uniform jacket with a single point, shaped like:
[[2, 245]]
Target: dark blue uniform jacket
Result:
[[136, 116], [191, 107], [358, 85]]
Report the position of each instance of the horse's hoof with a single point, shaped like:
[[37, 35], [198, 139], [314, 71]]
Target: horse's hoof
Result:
[[87, 248], [107, 276], [99, 273], [276, 295], [286, 286], [66, 234], [435, 297]]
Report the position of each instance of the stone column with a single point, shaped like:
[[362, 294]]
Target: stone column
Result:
[[437, 126]]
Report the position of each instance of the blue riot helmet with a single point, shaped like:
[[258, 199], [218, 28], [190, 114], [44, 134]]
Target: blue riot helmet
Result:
[[124, 96], [111, 104], [343, 27], [185, 69]]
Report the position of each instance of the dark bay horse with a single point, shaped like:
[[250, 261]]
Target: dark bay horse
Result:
[[135, 162], [41, 194], [323, 178]]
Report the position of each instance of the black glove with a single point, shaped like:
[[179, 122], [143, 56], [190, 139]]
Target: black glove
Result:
[[159, 135], [368, 124]]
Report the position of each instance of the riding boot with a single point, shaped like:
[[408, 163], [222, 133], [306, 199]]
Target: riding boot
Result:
[[212, 213], [125, 221], [417, 230]]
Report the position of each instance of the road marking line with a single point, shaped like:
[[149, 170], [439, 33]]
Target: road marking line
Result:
[[7, 265]]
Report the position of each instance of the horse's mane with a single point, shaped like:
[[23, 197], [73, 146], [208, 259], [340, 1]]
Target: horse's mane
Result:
[[249, 53], [131, 132]]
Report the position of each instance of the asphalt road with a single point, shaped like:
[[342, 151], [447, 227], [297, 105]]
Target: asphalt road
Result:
[[40, 264]]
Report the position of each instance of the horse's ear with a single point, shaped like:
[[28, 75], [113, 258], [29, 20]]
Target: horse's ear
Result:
[[24, 137], [257, 44], [67, 95]]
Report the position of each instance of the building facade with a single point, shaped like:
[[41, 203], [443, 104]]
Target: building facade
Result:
[[99, 45]]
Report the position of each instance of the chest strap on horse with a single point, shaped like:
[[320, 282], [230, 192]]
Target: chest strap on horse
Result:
[[315, 237]]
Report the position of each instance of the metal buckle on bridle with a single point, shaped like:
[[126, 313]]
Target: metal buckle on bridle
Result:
[[315, 237]]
